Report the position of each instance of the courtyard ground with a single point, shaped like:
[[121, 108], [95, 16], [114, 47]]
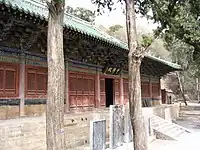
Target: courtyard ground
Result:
[[189, 118]]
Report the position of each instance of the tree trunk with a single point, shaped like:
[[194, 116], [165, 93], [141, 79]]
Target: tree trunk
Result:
[[181, 88], [56, 78], [134, 61]]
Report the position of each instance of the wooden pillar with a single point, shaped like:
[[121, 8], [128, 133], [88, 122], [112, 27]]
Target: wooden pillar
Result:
[[97, 90], [22, 85], [67, 107], [121, 90]]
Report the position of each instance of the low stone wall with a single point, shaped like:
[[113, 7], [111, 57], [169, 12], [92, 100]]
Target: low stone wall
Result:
[[12, 112], [8, 112], [30, 133], [167, 111]]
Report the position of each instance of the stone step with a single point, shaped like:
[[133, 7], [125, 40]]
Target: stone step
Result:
[[168, 129], [175, 133], [165, 127]]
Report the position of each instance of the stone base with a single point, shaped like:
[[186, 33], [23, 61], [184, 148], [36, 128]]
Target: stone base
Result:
[[30, 133], [9, 112], [156, 102], [35, 110]]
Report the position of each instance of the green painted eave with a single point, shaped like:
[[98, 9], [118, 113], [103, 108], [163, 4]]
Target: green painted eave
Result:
[[168, 63], [39, 9]]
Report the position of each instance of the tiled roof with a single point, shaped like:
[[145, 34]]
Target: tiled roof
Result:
[[38, 8]]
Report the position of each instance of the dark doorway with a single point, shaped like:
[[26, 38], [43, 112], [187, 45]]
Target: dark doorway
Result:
[[109, 91]]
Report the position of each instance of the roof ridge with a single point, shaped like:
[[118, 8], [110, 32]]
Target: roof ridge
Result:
[[43, 3], [82, 21], [39, 8]]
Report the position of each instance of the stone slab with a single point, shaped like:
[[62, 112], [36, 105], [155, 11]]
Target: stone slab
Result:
[[98, 135], [116, 126]]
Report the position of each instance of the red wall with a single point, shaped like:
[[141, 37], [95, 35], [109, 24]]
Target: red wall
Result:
[[81, 86]]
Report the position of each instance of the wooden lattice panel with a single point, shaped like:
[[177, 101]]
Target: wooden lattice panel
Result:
[[155, 90], [117, 91], [125, 86], [36, 82], [102, 92], [9, 75], [81, 90], [145, 90]]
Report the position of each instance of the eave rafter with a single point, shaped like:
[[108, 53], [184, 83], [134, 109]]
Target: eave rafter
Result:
[[5, 29], [28, 43]]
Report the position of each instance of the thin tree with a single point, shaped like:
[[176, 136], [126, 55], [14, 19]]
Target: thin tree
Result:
[[56, 77], [135, 57]]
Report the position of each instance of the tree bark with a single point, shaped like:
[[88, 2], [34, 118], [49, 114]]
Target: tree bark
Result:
[[181, 88], [135, 57], [56, 78]]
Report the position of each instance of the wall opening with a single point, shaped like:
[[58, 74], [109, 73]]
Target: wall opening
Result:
[[109, 91]]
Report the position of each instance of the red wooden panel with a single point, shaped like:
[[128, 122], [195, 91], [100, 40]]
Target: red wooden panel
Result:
[[102, 92], [85, 86], [31, 83], [36, 82], [72, 100], [8, 80], [85, 100], [1, 79], [117, 89], [41, 83], [81, 90], [155, 90], [125, 86], [72, 82], [46, 82], [91, 91], [145, 89], [72, 90], [79, 100]]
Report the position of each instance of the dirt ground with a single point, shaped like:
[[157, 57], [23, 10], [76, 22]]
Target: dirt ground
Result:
[[190, 117]]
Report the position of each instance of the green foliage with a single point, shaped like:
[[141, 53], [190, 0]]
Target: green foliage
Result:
[[183, 23], [118, 31], [114, 28], [82, 13], [180, 17], [146, 41], [58, 1], [179, 48]]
